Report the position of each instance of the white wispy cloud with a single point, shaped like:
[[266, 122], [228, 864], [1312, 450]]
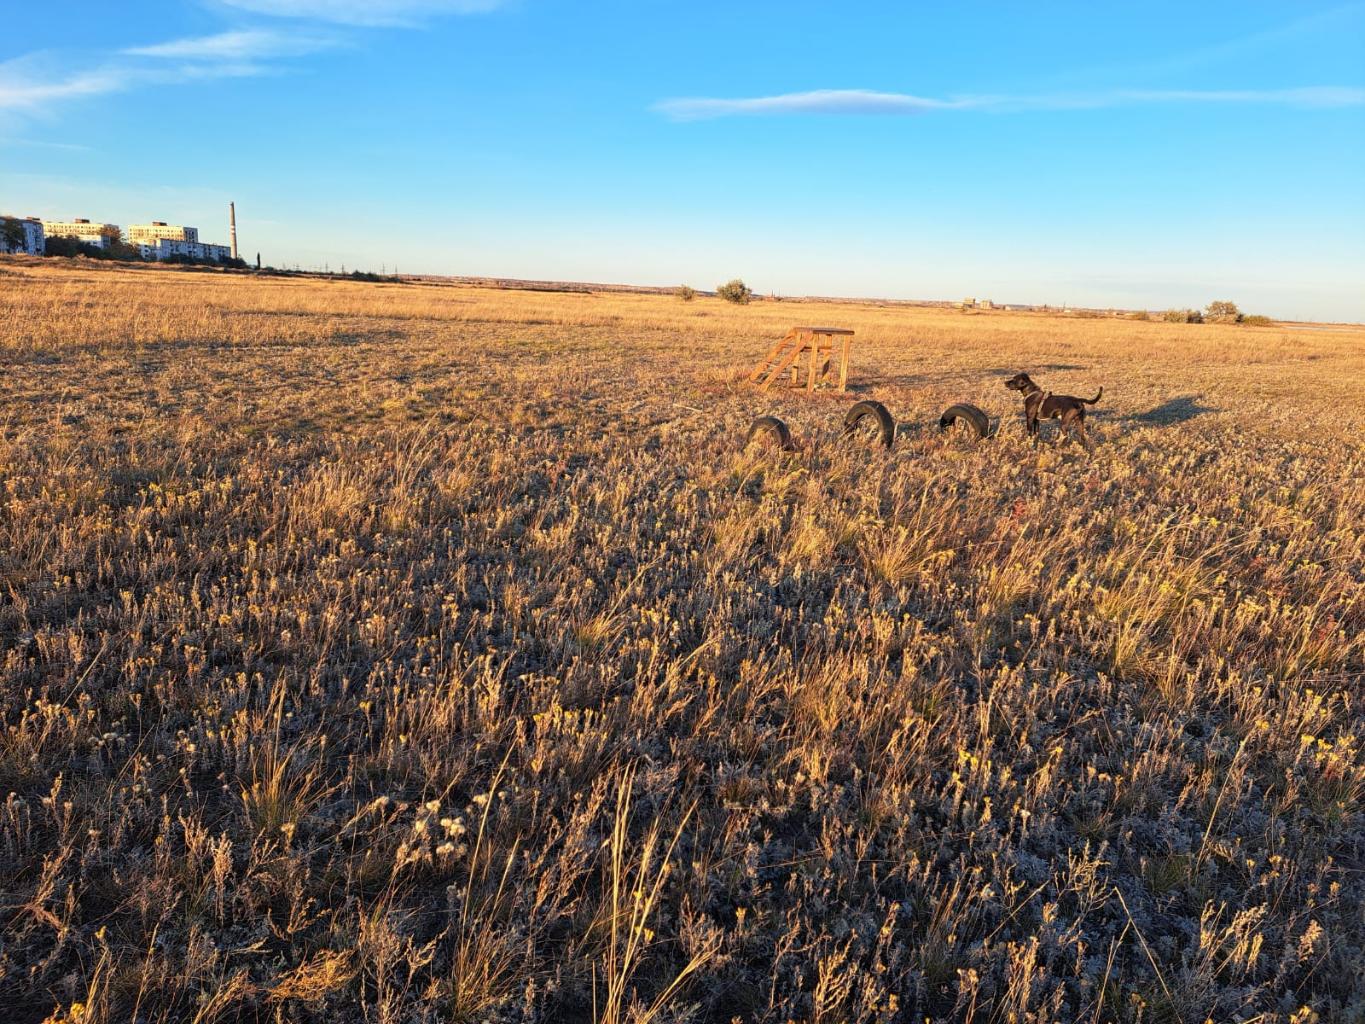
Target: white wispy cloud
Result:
[[32, 84], [240, 45], [19, 91], [69, 147], [36, 82], [863, 101], [820, 101], [364, 12]]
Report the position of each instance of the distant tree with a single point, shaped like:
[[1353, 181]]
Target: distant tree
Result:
[[735, 291], [686, 294], [63, 245], [1222, 312], [119, 248], [1141, 314], [1256, 320], [11, 235]]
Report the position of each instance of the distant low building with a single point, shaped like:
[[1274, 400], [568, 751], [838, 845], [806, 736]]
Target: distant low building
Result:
[[22, 235], [83, 230]]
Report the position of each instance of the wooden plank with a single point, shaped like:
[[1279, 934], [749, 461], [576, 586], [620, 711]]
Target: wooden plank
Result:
[[771, 356], [766, 361], [843, 365], [790, 356], [823, 330], [811, 376]]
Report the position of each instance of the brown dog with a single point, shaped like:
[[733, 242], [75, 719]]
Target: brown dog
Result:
[[1041, 405]]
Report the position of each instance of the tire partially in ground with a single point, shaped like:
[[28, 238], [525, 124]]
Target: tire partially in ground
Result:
[[886, 426], [969, 414], [772, 426]]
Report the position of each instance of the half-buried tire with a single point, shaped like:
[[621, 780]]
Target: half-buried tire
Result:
[[886, 426], [772, 427], [969, 414]]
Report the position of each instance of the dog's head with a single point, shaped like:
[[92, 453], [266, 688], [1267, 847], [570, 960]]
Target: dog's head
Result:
[[1020, 382]]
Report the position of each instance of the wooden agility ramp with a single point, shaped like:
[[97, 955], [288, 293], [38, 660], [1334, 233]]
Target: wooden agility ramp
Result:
[[817, 345]]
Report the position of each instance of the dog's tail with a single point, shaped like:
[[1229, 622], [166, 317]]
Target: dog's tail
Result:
[[1092, 401]]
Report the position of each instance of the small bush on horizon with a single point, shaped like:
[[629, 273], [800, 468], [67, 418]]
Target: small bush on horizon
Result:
[[1256, 320], [1183, 316], [1141, 314], [735, 291], [686, 292], [1221, 311]]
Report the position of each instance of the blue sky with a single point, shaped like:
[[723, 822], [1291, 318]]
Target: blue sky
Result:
[[1148, 155]]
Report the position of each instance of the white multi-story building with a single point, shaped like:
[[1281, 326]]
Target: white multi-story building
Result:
[[22, 234], [159, 241], [81, 229], [139, 234], [155, 241], [165, 248]]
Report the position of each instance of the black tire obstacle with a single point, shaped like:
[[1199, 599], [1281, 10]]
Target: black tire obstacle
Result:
[[975, 419], [886, 426], [773, 426], [969, 414]]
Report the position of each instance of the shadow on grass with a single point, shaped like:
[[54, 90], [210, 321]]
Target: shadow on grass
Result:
[[1173, 410]]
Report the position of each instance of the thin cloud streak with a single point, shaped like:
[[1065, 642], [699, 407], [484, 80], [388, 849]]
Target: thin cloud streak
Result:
[[25, 90], [20, 91], [68, 147], [33, 83], [364, 12], [240, 45], [864, 102]]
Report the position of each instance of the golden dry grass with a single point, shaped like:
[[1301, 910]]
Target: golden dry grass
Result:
[[421, 653]]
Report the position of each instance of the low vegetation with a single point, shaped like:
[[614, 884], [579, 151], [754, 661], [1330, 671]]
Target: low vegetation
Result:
[[1183, 316], [376, 652], [735, 291]]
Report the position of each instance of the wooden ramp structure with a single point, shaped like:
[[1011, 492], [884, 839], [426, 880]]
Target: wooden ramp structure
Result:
[[817, 344]]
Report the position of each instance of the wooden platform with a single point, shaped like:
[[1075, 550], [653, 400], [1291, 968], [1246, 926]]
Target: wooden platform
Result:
[[817, 344]]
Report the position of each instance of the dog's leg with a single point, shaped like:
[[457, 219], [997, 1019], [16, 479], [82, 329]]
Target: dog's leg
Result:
[[1066, 426], [1076, 428], [1080, 426], [1085, 437]]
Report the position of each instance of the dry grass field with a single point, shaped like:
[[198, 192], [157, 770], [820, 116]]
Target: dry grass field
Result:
[[399, 653]]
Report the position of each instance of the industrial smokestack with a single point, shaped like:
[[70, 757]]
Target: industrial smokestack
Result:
[[232, 227]]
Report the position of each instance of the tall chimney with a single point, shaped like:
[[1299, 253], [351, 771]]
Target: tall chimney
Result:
[[232, 227]]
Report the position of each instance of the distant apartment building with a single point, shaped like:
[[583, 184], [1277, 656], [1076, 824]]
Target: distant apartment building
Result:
[[159, 229], [165, 248], [98, 235], [22, 235], [160, 241], [155, 241]]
